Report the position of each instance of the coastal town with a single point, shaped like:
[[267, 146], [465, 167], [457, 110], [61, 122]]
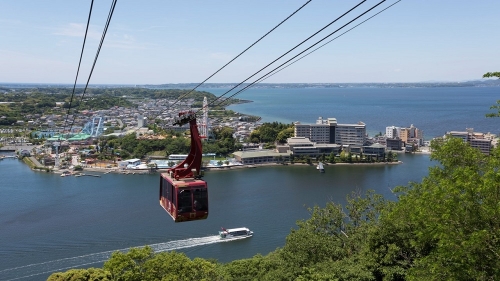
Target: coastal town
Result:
[[73, 149]]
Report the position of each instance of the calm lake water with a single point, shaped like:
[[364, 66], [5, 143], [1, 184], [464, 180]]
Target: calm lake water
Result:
[[50, 223], [433, 110]]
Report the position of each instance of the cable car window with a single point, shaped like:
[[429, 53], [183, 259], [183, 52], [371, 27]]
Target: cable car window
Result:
[[172, 196], [184, 203], [167, 189], [200, 199]]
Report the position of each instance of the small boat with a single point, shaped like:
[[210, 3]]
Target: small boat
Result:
[[320, 167], [235, 233], [65, 174]]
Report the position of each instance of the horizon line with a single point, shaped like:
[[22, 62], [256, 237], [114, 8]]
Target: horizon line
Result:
[[276, 83]]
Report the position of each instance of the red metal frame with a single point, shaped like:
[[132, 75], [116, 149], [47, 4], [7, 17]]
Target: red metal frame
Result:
[[193, 161], [185, 176]]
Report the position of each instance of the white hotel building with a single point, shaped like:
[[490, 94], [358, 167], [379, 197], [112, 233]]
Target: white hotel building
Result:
[[328, 131]]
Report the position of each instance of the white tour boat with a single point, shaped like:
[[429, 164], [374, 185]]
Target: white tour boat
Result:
[[235, 233], [320, 167]]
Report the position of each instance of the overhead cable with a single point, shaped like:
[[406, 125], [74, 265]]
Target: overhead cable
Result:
[[328, 42], [249, 85], [79, 64], [308, 38], [110, 15], [185, 95]]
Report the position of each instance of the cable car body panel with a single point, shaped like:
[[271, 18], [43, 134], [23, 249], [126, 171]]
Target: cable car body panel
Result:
[[182, 192], [184, 200]]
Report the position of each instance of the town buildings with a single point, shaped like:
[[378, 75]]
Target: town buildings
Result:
[[409, 138], [329, 131], [483, 142]]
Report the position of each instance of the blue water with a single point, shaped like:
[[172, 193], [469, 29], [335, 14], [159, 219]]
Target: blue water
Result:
[[434, 110], [50, 223]]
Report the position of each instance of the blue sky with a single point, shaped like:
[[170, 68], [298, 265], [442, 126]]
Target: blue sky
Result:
[[155, 42]]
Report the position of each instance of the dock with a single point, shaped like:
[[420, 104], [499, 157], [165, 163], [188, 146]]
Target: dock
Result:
[[8, 157], [90, 175]]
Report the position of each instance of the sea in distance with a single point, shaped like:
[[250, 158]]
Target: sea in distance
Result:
[[435, 110], [50, 223]]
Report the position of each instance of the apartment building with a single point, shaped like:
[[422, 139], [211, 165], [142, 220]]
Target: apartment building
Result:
[[328, 131], [392, 132], [481, 141], [406, 134]]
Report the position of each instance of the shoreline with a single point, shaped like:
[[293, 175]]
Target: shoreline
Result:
[[222, 168]]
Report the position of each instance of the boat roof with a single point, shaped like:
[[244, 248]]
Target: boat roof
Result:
[[237, 229]]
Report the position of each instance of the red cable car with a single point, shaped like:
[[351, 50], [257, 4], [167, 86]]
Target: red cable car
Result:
[[182, 192]]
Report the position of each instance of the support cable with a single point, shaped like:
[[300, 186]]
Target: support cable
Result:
[[183, 96], [292, 50], [283, 21], [249, 85], [328, 42], [79, 64], [110, 15]]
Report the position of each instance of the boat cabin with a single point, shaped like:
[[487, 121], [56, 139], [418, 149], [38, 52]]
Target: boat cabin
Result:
[[235, 232]]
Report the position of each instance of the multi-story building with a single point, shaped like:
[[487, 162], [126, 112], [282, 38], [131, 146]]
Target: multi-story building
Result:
[[481, 141], [300, 146], [394, 144], [375, 149], [330, 132], [406, 134], [392, 132]]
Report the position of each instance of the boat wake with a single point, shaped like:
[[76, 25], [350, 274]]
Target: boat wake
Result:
[[35, 269]]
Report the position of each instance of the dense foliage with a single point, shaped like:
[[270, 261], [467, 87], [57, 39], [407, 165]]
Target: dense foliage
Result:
[[497, 105], [173, 143], [223, 143], [272, 132], [446, 227]]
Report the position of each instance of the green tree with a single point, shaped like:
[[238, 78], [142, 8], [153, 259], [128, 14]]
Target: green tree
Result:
[[223, 133], [141, 264], [331, 241], [128, 266], [331, 158], [497, 105], [448, 226], [272, 132], [307, 159], [284, 134], [491, 74], [90, 274], [343, 155]]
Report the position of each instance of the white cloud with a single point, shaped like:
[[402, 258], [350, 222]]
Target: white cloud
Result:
[[78, 30]]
